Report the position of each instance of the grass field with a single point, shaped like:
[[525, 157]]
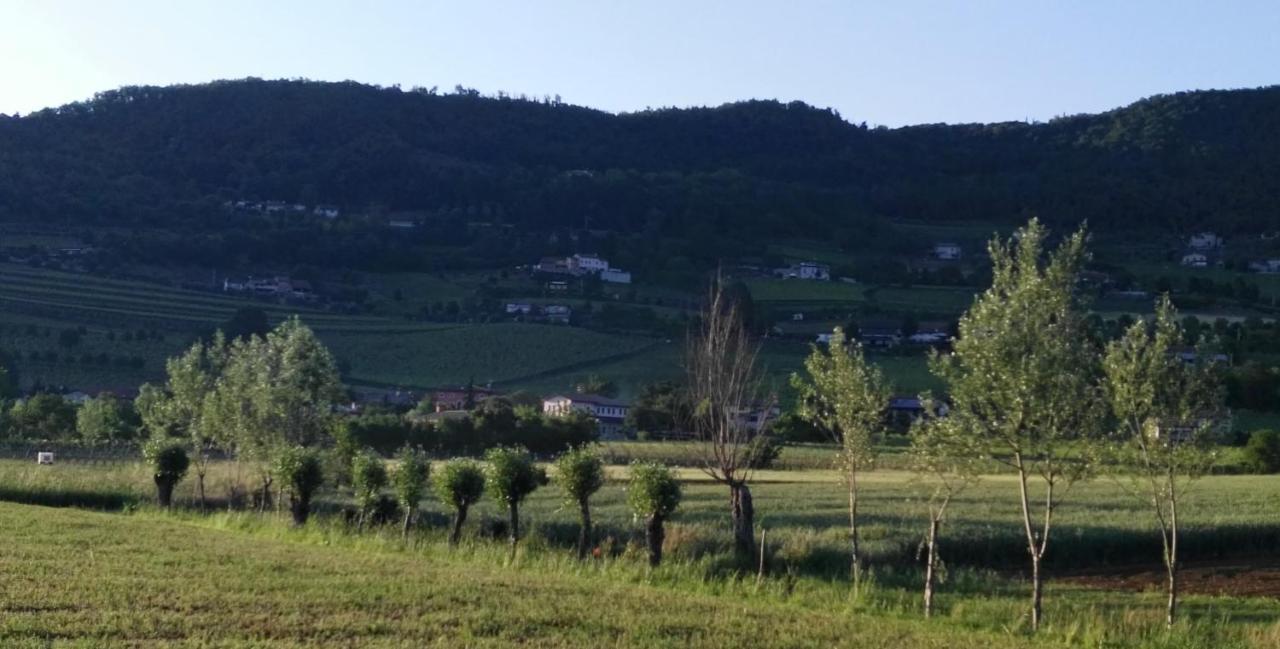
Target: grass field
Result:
[[79, 578]]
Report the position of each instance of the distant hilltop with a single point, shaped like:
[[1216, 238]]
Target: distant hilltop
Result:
[[141, 155]]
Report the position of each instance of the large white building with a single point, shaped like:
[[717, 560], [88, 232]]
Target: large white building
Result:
[[610, 414], [589, 263]]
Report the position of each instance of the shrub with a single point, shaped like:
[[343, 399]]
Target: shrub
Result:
[[763, 452], [302, 471], [510, 475], [580, 473], [1262, 452], [459, 485], [653, 494], [410, 481], [169, 463], [368, 478]]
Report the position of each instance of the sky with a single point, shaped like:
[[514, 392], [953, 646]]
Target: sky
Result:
[[891, 62]]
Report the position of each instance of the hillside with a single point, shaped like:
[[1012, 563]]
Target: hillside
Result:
[[150, 155]]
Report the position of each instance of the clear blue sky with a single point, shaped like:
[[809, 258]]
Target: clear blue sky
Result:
[[888, 62]]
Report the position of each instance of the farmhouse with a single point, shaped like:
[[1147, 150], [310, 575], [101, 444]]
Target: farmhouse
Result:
[[615, 276], [519, 308], [1267, 266], [1204, 241], [326, 211], [805, 270], [557, 313], [459, 399], [1195, 260], [880, 336], [946, 251], [588, 263], [610, 414]]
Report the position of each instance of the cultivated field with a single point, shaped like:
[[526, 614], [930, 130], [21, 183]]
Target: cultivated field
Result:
[[135, 575]]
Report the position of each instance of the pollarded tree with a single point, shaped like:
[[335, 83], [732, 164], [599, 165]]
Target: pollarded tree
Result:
[[410, 482], [1022, 379], [1166, 413], [726, 393], [301, 471], [654, 495], [847, 397], [169, 463], [947, 462], [510, 476], [580, 473], [459, 484], [368, 479]]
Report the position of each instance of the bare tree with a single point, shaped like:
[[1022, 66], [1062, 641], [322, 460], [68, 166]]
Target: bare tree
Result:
[[730, 406]]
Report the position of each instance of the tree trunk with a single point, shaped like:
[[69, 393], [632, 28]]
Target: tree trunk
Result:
[[200, 490], [654, 534], [1037, 591], [514, 509], [1171, 562], [744, 515], [458, 519], [300, 508], [408, 520], [931, 565], [855, 556], [584, 533], [265, 504], [164, 491]]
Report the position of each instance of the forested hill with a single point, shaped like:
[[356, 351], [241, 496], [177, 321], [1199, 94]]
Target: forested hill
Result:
[[164, 155]]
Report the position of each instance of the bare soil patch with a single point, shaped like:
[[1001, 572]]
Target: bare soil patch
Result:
[[1246, 577]]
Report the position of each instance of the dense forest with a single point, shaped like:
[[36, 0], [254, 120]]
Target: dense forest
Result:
[[171, 155]]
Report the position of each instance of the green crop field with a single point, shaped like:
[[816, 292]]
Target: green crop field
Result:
[[78, 578]]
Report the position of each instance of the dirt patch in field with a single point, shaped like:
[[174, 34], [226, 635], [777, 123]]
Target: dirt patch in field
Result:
[[1255, 577]]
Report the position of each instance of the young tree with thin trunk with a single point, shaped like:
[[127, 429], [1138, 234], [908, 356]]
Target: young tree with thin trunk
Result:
[[947, 463], [460, 484], [727, 393], [368, 479], [301, 471], [847, 398], [1022, 380], [410, 481], [1166, 412], [580, 473], [654, 495], [510, 476]]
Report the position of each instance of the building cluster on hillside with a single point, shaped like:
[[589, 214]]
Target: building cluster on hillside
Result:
[[553, 313], [581, 264], [283, 207], [888, 336], [946, 251], [278, 286], [810, 270], [1203, 249]]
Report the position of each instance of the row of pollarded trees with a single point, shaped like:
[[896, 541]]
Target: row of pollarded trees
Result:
[[1028, 387]]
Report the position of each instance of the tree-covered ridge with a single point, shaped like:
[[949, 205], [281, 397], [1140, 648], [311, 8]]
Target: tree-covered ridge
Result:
[[153, 154]]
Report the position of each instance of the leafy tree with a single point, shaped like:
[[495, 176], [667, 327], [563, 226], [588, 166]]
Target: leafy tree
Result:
[[580, 473], [598, 385], [192, 378], [246, 322], [44, 416], [659, 408], [847, 397], [169, 463], [1166, 412], [654, 495], [106, 419], [459, 484], [368, 479], [410, 481], [301, 471], [945, 458], [510, 476], [1022, 379], [1262, 451]]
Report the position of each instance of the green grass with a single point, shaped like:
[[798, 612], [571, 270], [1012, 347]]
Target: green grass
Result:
[[78, 578]]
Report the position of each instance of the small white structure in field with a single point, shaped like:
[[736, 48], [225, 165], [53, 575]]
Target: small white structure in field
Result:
[[44, 457]]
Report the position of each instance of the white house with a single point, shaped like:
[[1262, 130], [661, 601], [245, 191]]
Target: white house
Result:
[[1205, 241], [326, 211], [610, 414], [805, 270], [947, 251], [615, 275], [1195, 260], [1267, 266], [557, 313], [521, 308], [589, 263]]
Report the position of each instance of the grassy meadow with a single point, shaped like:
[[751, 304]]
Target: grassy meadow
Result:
[[246, 579]]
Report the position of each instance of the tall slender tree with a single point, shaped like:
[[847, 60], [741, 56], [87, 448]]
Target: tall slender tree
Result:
[[1022, 379], [1166, 414], [727, 393], [847, 398]]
